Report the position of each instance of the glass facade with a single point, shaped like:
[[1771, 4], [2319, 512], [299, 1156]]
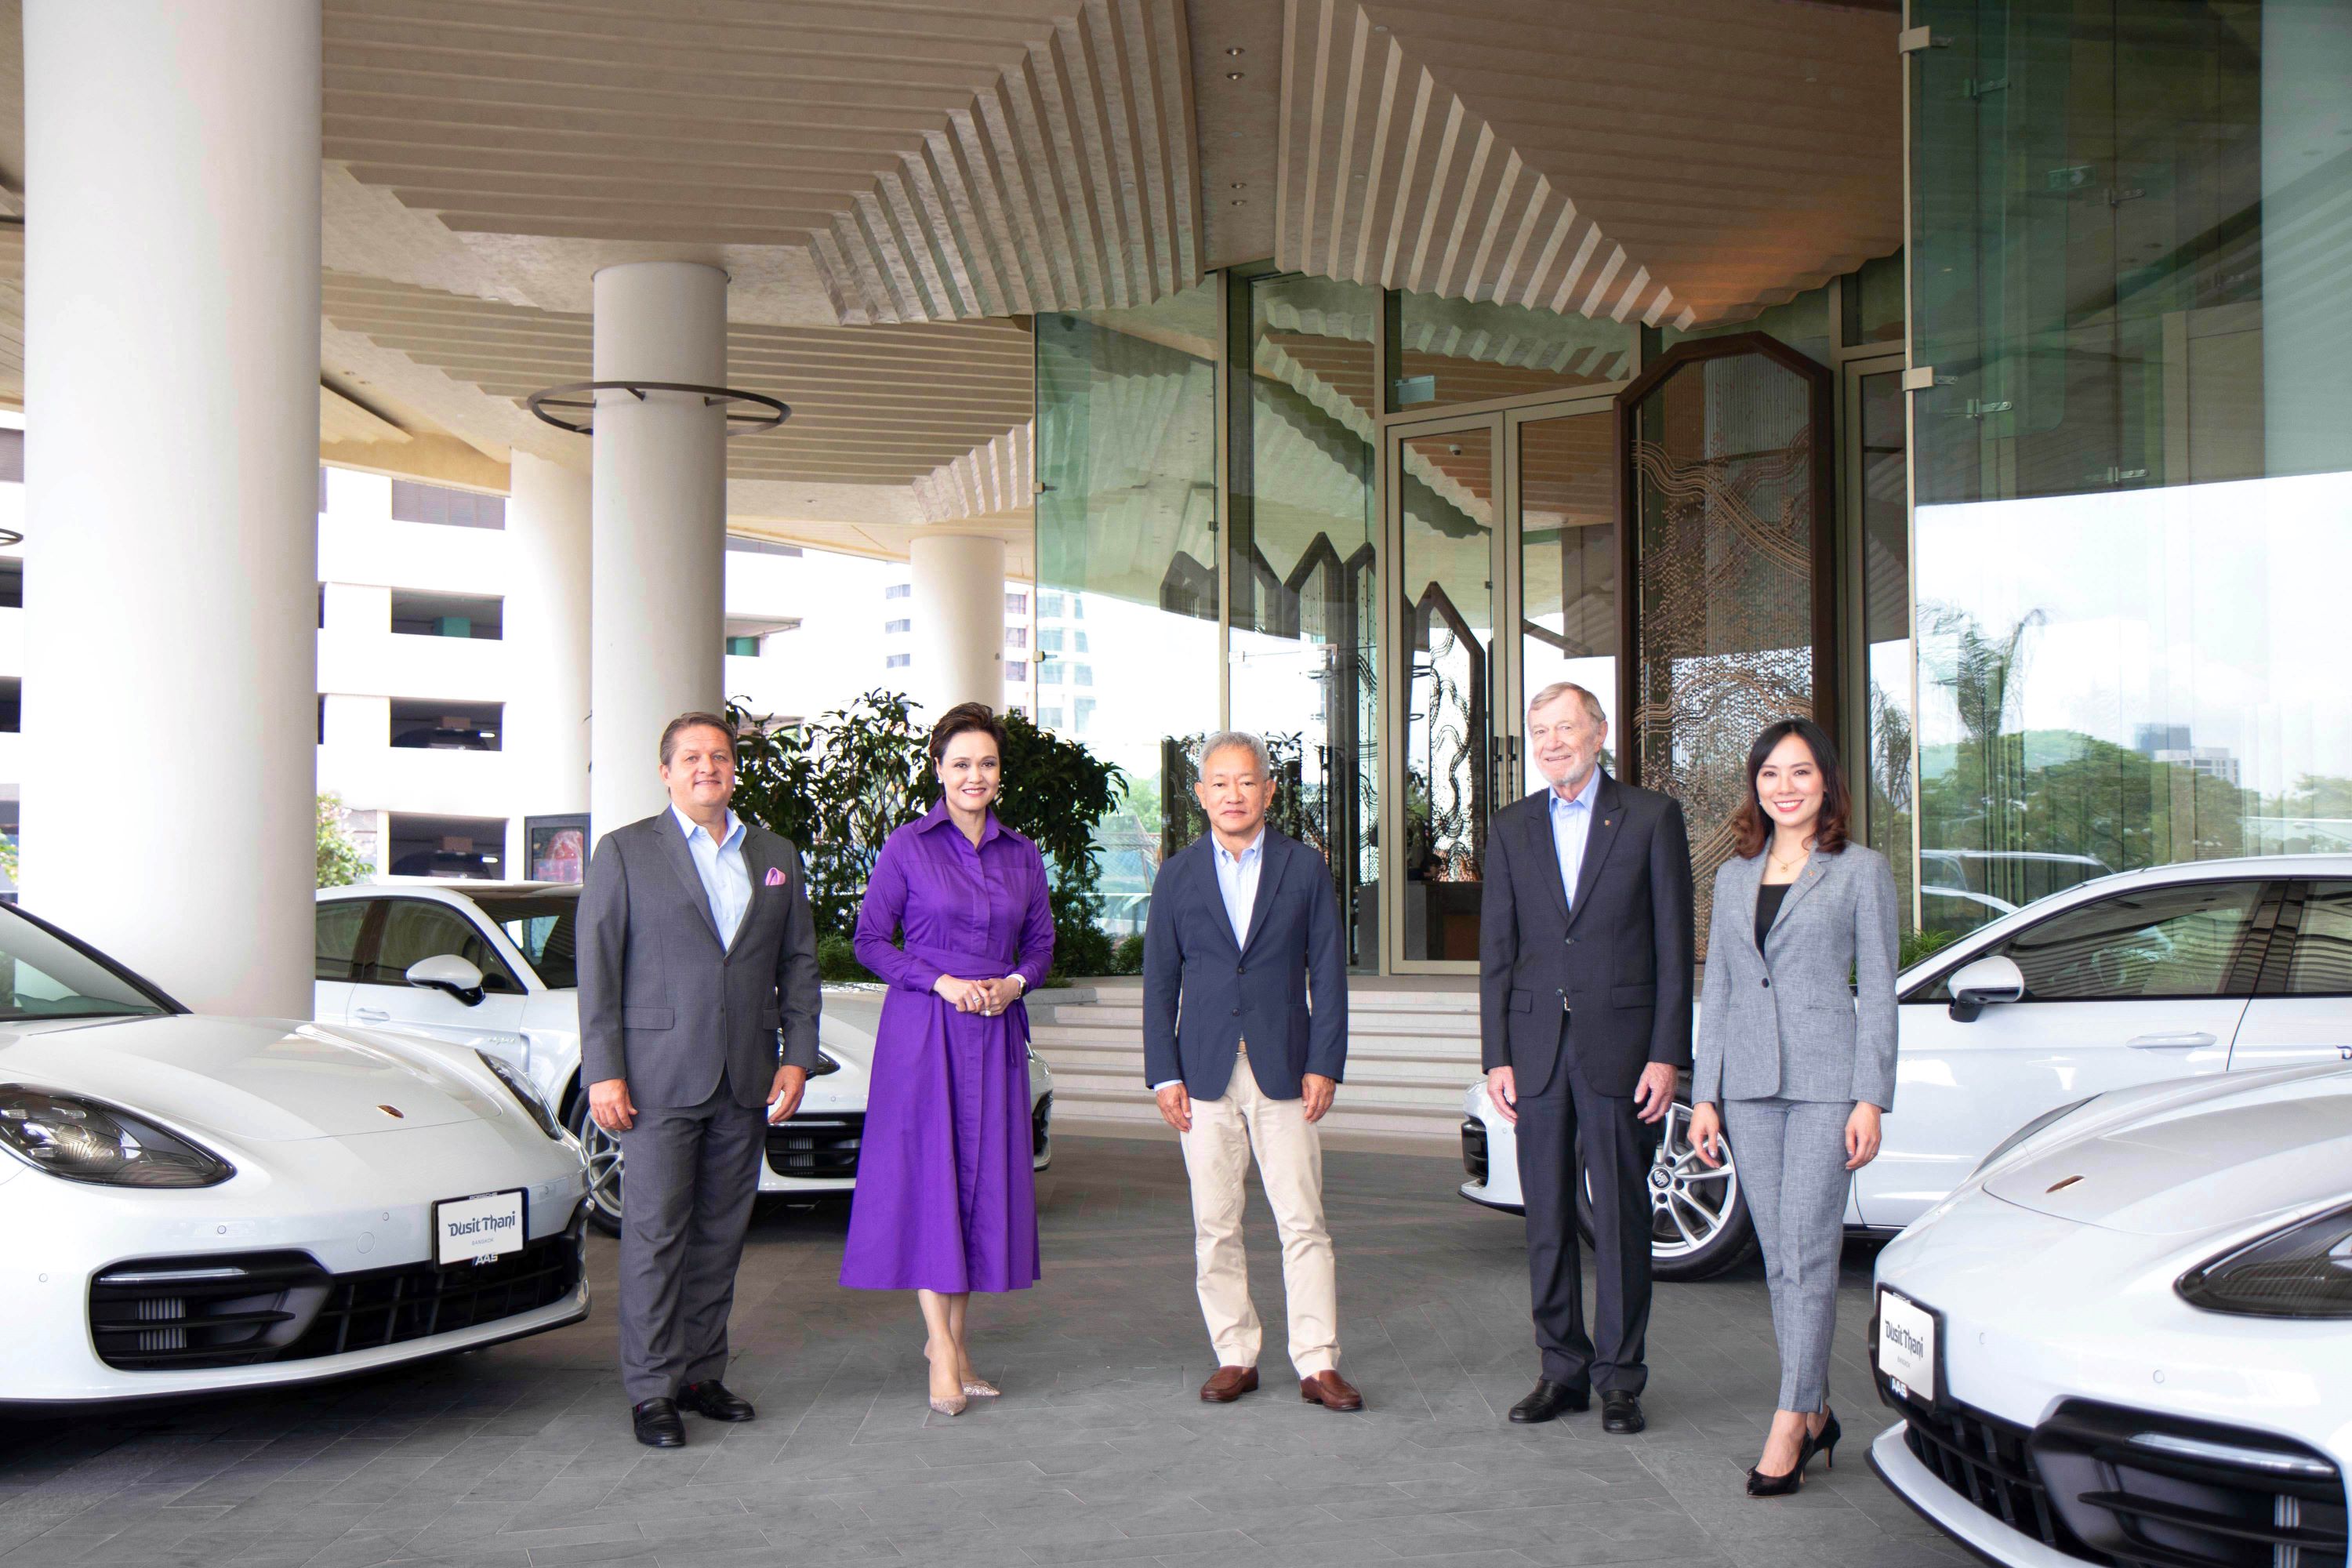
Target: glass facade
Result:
[[1472, 351], [2132, 471], [1127, 563]]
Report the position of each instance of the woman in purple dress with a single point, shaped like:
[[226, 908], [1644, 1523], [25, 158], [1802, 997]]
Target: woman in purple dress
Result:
[[945, 1202]]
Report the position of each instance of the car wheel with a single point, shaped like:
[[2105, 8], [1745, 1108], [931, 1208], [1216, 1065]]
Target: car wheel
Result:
[[1698, 1214], [604, 1154]]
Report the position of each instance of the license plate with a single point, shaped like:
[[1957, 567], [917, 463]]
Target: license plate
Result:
[[477, 1229], [1907, 1346]]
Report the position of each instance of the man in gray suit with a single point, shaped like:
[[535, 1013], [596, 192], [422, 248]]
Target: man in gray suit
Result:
[[696, 948]]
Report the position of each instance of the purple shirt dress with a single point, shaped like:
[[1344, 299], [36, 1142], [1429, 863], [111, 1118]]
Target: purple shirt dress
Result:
[[946, 1199]]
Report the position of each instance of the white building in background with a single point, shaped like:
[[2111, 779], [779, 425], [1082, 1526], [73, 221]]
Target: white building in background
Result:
[[899, 619]]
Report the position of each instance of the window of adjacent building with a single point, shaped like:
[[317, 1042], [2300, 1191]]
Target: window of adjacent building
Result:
[[898, 591], [446, 846], [413, 502], [1049, 604], [1049, 672], [447, 616], [1082, 710], [743, 648], [897, 661], [12, 704], [1082, 675], [1016, 636], [322, 718], [1049, 639], [12, 583], [1049, 718], [898, 625], [1017, 604], [424, 723]]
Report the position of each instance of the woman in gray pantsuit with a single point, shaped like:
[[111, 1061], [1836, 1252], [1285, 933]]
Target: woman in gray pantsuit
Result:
[[1798, 1064]]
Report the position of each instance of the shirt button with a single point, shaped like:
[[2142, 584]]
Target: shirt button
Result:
[[1237, 1011]]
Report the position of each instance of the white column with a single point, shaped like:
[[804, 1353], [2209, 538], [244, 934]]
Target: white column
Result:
[[546, 734], [657, 592], [171, 395], [959, 616]]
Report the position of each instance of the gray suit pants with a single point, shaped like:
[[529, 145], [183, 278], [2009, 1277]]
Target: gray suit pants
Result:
[[692, 1173], [1791, 1160]]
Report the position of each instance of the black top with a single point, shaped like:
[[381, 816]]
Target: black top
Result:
[[1768, 904]]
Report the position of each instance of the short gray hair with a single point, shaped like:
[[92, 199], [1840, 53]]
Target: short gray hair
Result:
[[1226, 740], [1560, 688]]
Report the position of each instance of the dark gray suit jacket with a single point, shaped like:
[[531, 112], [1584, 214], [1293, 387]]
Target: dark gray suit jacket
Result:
[[1783, 1023], [1203, 993], [662, 1004], [1620, 961]]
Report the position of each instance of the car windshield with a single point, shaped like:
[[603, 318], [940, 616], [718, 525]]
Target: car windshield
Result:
[[541, 924], [42, 975]]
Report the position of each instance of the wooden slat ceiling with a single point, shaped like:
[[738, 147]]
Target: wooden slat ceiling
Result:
[[880, 405]]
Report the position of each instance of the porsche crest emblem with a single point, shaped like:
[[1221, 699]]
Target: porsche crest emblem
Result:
[[393, 1111]]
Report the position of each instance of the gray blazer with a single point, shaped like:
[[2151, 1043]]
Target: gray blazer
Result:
[[1783, 1023], [662, 1004]]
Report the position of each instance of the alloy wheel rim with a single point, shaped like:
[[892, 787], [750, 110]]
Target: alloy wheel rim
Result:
[[1691, 1202], [604, 1154]]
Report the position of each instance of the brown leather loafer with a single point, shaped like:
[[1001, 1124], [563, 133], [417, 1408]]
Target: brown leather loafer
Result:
[[1331, 1391], [1228, 1383]]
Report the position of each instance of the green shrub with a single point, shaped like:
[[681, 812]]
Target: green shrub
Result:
[[1127, 957], [1918, 944], [837, 960]]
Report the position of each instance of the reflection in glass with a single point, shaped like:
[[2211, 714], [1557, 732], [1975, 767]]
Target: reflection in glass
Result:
[[2135, 468], [1724, 501], [1886, 769], [1463, 350], [1447, 629], [1305, 573], [1567, 563], [1127, 573]]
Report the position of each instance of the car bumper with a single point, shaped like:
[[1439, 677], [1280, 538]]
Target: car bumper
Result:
[[1953, 1514], [350, 1212], [1490, 1153]]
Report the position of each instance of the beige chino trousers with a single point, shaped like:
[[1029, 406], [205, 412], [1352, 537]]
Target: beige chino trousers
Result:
[[1289, 1152]]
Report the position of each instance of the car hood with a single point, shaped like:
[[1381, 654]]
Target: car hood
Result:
[[2224, 1152], [256, 1079]]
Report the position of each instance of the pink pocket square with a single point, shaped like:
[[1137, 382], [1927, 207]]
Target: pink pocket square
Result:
[[775, 877]]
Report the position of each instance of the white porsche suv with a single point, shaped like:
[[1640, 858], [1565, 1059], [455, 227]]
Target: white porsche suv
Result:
[[491, 965]]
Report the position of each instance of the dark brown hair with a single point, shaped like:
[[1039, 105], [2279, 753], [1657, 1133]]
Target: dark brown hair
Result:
[[966, 718], [1753, 823], [684, 721]]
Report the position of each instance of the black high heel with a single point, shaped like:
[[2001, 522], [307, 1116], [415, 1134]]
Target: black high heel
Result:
[[1761, 1484], [1824, 1442]]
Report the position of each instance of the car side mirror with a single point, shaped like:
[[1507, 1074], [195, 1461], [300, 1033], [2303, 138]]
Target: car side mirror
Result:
[[1978, 984], [448, 972]]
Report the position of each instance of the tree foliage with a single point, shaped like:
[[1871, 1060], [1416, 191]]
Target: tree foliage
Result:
[[339, 861]]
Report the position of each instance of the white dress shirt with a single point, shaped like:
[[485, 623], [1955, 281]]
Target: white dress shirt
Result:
[[1571, 825], [1237, 882], [726, 876]]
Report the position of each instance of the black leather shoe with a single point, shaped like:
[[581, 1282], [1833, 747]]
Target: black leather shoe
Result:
[[657, 1424], [1550, 1401], [1621, 1412], [712, 1399]]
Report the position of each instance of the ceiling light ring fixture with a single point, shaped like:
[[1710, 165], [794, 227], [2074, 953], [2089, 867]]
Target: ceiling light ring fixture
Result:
[[580, 397]]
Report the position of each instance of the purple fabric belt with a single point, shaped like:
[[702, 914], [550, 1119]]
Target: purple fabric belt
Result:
[[964, 966]]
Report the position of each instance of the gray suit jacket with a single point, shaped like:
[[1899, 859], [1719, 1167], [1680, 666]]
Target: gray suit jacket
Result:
[[662, 1004], [1784, 1022]]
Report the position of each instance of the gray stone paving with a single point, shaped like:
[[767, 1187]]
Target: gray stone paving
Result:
[[1099, 1452]]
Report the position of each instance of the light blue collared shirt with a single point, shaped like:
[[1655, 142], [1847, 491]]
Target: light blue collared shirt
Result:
[[1237, 880], [726, 876], [1571, 825]]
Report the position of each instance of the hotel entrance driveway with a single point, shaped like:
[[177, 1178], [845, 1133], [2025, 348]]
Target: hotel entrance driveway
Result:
[[1099, 1452]]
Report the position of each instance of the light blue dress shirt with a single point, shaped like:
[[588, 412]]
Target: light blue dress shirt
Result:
[[726, 876], [1237, 880], [1571, 825]]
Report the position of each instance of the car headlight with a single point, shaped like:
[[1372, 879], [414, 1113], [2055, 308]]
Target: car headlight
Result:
[[2302, 1271], [2047, 1118], [85, 1139], [533, 1103], [825, 1064]]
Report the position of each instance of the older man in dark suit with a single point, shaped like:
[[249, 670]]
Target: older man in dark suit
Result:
[[1584, 1019], [696, 949], [1244, 935]]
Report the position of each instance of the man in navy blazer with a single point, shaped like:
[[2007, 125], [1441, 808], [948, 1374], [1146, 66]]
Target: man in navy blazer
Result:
[[1244, 1042]]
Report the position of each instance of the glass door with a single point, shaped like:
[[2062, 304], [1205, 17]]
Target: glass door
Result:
[[1447, 683], [1560, 494]]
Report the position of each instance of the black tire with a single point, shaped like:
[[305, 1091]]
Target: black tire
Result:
[[604, 1183], [1693, 1233]]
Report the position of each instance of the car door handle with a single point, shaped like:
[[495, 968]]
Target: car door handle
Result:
[[2182, 1042], [372, 1014]]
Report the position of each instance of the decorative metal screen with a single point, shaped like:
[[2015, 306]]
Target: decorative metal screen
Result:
[[1728, 482]]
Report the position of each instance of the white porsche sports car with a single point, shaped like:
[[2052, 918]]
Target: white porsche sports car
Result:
[[2127, 1338], [201, 1205], [2190, 970], [491, 965]]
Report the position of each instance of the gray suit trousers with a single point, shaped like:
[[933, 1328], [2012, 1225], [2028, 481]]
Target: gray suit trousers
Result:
[[693, 1173], [1791, 1158]]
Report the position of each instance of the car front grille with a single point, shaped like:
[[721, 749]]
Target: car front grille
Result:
[[816, 1147], [1041, 1124], [1474, 1149], [2138, 1488], [158, 1314]]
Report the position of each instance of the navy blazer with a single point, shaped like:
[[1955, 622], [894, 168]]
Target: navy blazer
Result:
[[1203, 993]]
